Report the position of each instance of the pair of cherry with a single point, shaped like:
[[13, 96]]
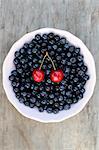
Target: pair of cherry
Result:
[[56, 75]]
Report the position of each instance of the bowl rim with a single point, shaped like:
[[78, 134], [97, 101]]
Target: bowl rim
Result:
[[26, 37]]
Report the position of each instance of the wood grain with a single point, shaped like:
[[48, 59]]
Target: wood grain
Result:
[[80, 17]]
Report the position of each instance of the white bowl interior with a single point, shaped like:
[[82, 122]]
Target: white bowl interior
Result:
[[8, 66]]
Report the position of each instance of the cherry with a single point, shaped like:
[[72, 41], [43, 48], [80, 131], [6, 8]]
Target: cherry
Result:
[[56, 75], [38, 75]]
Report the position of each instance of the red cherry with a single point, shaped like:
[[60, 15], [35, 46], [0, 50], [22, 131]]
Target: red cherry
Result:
[[38, 75], [57, 75]]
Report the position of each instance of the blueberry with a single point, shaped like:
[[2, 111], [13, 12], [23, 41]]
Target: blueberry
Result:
[[38, 95], [80, 64], [36, 65], [84, 68], [55, 99], [16, 61], [80, 58], [57, 38], [80, 96], [59, 49], [44, 101], [50, 35], [31, 105], [22, 61], [56, 104], [66, 46], [34, 60], [55, 111], [22, 50], [24, 94], [47, 89], [70, 87], [82, 90], [44, 66], [68, 93], [22, 88], [18, 95], [48, 81], [75, 100], [31, 45], [68, 54], [37, 103], [41, 109], [51, 102], [61, 107], [66, 107], [54, 47], [43, 94], [51, 42], [80, 73], [20, 70], [69, 101], [17, 54], [63, 40], [18, 66], [29, 51], [67, 70], [51, 95], [25, 45], [34, 41], [41, 88], [32, 100], [44, 44], [49, 48], [11, 77], [13, 83], [44, 36], [34, 50], [49, 110], [73, 60], [28, 95], [62, 88], [79, 85], [77, 50], [63, 62], [63, 92], [30, 64], [60, 98], [21, 100], [16, 90], [26, 103], [71, 49], [63, 54], [58, 57], [75, 79], [86, 77], [37, 37]]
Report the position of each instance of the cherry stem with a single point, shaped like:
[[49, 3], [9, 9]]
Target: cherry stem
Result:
[[50, 60], [43, 60]]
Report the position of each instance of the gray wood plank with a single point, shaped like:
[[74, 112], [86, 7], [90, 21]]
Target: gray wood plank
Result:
[[80, 17]]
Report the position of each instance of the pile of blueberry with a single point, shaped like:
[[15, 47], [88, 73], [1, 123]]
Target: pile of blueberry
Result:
[[49, 74]]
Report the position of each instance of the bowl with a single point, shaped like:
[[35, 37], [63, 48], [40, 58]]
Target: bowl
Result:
[[34, 114]]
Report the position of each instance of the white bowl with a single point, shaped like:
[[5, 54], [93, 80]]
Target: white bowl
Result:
[[34, 113]]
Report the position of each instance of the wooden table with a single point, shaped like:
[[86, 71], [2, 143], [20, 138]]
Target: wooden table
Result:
[[80, 17]]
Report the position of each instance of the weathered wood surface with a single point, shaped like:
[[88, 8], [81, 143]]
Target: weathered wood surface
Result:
[[81, 17]]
